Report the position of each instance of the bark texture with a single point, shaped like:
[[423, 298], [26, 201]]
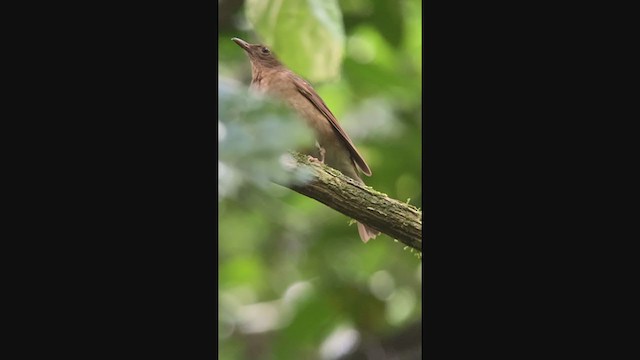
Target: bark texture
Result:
[[397, 219]]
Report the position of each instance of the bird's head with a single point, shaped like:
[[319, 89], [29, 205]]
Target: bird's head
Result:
[[259, 55]]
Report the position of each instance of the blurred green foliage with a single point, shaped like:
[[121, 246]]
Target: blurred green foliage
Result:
[[254, 133], [318, 45], [295, 281]]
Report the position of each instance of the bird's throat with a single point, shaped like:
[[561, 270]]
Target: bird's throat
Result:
[[256, 75]]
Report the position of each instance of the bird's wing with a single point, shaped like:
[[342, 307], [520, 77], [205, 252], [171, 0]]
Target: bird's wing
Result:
[[305, 89]]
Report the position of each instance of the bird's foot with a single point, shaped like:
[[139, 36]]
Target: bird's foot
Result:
[[313, 159]]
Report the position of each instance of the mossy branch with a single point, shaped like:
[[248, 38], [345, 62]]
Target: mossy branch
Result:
[[397, 219]]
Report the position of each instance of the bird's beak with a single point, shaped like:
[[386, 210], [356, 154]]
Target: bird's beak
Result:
[[243, 44]]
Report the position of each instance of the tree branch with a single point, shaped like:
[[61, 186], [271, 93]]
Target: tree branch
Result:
[[399, 220]]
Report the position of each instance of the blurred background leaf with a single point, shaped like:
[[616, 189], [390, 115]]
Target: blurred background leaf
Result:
[[254, 135], [295, 281], [317, 48]]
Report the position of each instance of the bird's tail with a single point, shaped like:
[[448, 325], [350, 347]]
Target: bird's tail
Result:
[[367, 233]]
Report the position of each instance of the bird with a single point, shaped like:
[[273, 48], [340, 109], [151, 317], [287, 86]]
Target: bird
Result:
[[271, 77]]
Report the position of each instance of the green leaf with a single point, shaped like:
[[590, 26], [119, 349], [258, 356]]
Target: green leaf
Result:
[[308, 36], [255, 134]]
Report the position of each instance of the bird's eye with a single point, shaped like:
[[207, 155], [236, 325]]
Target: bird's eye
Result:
[[265, 50]]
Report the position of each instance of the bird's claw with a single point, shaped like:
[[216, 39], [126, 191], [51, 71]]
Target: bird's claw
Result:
[[313, 159]]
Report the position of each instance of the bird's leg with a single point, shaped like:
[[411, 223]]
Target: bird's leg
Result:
[[321, 151]]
